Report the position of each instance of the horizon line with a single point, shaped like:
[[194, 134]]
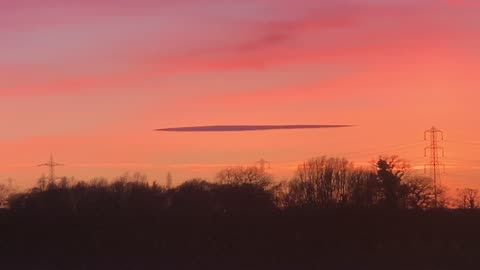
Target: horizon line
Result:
[[240, 128]]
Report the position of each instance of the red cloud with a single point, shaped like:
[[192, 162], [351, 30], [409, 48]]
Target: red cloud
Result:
[[327, 33], [468, 3]]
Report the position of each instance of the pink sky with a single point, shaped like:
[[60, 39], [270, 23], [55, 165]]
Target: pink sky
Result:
[[90, 80]]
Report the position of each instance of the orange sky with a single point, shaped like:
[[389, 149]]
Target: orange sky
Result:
[[90, 81]]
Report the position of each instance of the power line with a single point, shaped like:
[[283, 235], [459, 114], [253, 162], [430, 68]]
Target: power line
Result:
[[463, 142], [384, 149]]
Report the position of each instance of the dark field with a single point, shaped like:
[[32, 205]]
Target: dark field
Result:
[[293, 239]]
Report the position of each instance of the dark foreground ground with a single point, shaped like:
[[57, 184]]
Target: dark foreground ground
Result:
[[334, 239]]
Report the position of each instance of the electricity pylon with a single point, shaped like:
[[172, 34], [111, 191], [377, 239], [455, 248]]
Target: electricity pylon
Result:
[[51, 164], [169, 181], [434, 135], [262, 163]]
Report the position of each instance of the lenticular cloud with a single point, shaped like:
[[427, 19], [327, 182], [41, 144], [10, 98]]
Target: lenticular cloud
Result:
[[238, 128]]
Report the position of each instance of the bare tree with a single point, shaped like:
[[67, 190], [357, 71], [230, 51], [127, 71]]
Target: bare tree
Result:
[[468, 198], [280, 192], [363, 188], [245, 175], [4, 194], [322, 182], [299, 193], [396, 165], [98, 182], [443, 198], [420, 192]]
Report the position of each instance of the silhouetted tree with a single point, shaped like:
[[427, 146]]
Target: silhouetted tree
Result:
[[243, 198], [468, 198], [390, 171], [280, 193], [420, 192], [127, 193], [42, 182], [321, 182], [4, 194], [245, 175], [193, 196], [363, 188]]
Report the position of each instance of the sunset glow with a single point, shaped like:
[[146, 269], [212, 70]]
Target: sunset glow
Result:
[[89, 82]]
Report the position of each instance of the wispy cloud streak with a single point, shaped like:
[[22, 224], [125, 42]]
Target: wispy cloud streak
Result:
[[238, 128]]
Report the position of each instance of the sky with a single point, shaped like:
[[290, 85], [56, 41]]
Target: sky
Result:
[[89, 81]]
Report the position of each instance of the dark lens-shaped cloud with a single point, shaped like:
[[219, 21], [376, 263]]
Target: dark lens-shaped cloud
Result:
[[237, 128]]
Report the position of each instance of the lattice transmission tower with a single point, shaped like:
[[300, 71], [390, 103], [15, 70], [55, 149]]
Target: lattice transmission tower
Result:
[[263, 165], [51, 164], [434, 135]]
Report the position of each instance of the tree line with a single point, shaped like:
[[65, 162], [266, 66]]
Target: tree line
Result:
[[318, 183], [330, 215]]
